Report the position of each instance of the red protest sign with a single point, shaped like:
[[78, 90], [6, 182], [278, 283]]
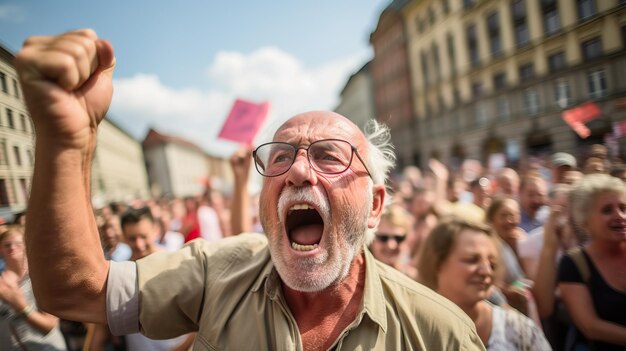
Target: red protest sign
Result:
[[577, 117], [244, 121]]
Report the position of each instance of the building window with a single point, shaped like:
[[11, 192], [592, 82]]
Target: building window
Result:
[[18, 156], [10, 118], [23, 122], [480, 114], [624, 37], [493, 27], [24, 186], [551, 20], [424, 62], [503, 109], [435, 51], [456, 97], [420, 25], [450, 44], [472, 45], [445, 7], [431, 16], [531, 102], [31, 157], [499, 81], [3, 153], [477, 89], [562, 95], [518, 8], [586, 9], [468, 3], [4, 194], [16, 89], [596, 83], [592, 48], [526, 72], [3, 83], [556, 61]]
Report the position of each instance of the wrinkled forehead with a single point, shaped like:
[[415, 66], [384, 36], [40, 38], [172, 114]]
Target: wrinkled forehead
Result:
[[308, 127]]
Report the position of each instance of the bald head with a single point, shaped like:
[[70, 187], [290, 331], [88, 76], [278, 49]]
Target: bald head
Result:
[[316, 123]]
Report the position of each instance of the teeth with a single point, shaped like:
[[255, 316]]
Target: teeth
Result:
[[300, 207], [299, 247]]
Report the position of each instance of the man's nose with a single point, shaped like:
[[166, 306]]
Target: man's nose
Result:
[[301, 171]]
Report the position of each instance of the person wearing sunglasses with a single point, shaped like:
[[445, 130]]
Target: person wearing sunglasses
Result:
[[309, 284], [387, 246]]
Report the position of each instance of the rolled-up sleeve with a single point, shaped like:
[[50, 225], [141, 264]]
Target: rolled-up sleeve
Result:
[[123, 298]]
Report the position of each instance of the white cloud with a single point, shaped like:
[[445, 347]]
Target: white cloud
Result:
[[266, 74], [12, 13]]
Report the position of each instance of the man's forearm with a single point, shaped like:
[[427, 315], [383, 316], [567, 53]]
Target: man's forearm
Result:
[[66, 262]]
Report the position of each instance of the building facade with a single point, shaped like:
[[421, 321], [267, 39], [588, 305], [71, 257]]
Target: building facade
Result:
[[492, 78], [16, 141], [391, 77], [357, 100], [118, 172], [179, 168]]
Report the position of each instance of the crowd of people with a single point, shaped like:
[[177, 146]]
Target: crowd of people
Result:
[[514, 259]]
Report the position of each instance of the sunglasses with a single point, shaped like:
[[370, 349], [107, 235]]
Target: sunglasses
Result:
[[383, 238]]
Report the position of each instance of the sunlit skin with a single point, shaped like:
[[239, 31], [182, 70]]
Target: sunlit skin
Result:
[[326, 283], [606, 221], [336, 249], [141, 237], [388, 251], [533, 196], [467, 274], [12, 248], [506, 220]]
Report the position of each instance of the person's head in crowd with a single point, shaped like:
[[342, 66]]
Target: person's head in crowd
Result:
[[561, 162], [599, 151], [533, 194], [455, 187], [118, 207], [110, 232], [423, 202], [140, 231], [12, 248], [503, 214], [572, 177], [395, 224], [460, 260], [507, 182], [594, 165], [598, 206], [481, 191], [618, 171], [322, 196]]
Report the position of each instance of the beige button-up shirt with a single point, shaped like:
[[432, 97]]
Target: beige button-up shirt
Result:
[[231, 294]]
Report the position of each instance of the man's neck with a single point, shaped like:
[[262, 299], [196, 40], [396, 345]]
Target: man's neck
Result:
[[322, 316]]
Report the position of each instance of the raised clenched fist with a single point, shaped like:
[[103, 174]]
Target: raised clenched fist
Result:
[[66, 80]]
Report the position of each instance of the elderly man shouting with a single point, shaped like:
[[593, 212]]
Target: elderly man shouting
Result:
[[309, 284]]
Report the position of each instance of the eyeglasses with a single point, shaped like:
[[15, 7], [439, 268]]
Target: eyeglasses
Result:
[[328, 156], [383, 238]]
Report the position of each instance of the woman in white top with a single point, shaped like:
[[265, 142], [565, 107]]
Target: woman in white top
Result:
[[460, 261]]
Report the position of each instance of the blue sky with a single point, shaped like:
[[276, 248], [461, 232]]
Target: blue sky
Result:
[[181, 64]]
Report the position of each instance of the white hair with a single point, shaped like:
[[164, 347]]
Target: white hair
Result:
[[381, 159]]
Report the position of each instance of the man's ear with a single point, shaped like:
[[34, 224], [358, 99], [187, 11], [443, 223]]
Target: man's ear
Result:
[[378, 202]]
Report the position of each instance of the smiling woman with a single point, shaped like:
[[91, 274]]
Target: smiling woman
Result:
[[596, 300], [460, 260]]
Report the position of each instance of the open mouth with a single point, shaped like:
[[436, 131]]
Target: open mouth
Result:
[[304, 227]]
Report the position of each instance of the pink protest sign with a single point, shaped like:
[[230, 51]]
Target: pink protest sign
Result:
[[244, 121], [577, 117]]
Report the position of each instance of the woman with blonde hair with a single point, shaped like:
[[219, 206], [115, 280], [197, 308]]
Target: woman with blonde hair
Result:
[[592, 280], [460, 261], [22, 325]]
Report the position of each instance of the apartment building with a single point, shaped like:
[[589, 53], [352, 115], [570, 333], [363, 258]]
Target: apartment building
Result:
[[492, 78], [356, 98], [391, 78], [16, 141], [118, 171]]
